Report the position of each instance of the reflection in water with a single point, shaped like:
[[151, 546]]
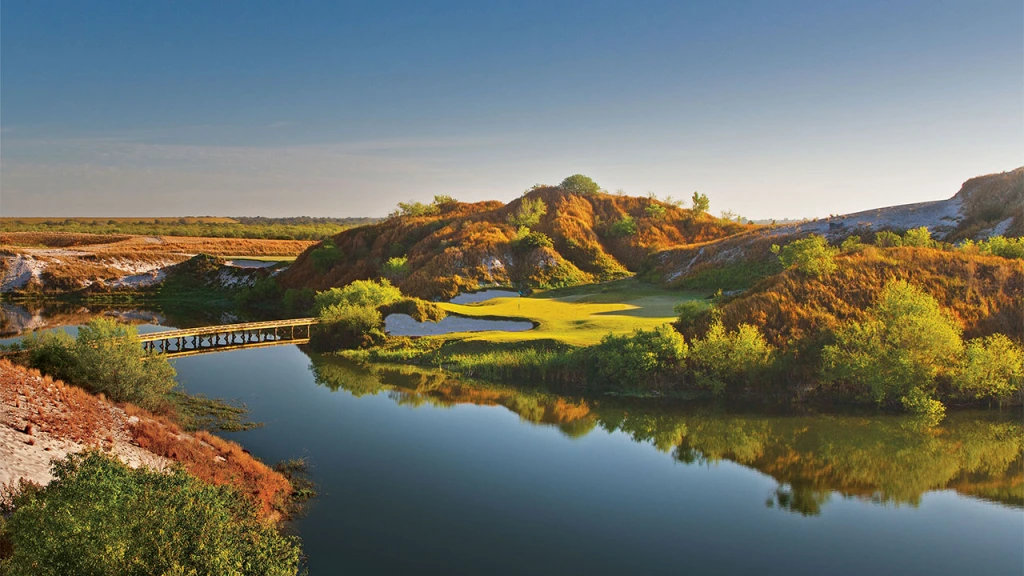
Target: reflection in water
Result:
[[813, 458]]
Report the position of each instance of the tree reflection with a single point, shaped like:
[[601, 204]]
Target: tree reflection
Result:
[[889, 460]]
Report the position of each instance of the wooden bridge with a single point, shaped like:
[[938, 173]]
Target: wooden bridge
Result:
[[194, 341]]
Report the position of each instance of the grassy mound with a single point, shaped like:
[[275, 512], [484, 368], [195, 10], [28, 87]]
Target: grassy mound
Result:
[[575, 238], [985, 294]]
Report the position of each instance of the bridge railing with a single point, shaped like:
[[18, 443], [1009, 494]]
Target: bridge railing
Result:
[[226, 328]]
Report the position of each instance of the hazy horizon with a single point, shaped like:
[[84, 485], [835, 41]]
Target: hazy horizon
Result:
[[794, 110]]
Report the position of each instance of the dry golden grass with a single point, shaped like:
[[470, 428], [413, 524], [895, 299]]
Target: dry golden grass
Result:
[[128, 220], [458, 248], [985, 294]]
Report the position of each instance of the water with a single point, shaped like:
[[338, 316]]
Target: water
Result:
[[419, 473]]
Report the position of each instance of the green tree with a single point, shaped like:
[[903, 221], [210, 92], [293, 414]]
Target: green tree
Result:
[[625, 226], [655, 211], [106, 357], [701, 204], [851, 244], [991, 367], [894, 356], [918, 238], [724, 357], [579, 184], [887, 239], [325, 256], [639, 361], [529, 213], [99, 516], [372, 293], [812, 255], [395, 268]]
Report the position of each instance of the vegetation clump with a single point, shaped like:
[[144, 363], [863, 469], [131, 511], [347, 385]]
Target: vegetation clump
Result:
[[642, 361], [722, 357], [812, 256], [579, 184], [106, 358], [701, 204], [896, 353], [625, 226], [529, 213], [98, 516], [325, 256]]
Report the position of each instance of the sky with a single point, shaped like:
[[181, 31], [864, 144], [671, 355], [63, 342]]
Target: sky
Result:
[[777, 109]]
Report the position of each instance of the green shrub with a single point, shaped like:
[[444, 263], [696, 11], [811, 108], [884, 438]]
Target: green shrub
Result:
[[531, 241], [887, 239], [370, 293], [395, 268], [655, 211], [299, 300], [415, 209], [691, 311], [626, 226], [106, 357], [997, 246], [812, 256], [851, 244], [723, 358], [325, 256], [895, 355], [637, 362], [99, 516], [263, 291], [918, 238], [344, 326], [992, 367], [579, 184], [701, 204], [529, 213]]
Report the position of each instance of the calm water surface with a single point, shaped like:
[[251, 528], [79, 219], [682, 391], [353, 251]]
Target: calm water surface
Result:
[[419, 473]]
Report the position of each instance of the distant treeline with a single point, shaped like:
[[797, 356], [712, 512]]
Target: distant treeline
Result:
[[291, 228]]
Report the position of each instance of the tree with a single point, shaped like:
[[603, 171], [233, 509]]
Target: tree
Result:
[[106, 357], [894, 356], [992, 367], [701, 204], [655, 211], [371, 293], [98, 516], [529, 213], [812, 256], [579, 184], [918, 237], [625, 226], [724, 357]]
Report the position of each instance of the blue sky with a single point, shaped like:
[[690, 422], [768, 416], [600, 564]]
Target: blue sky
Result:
[[773, 109]]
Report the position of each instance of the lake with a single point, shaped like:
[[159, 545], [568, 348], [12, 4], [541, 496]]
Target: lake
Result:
[[421, 473]]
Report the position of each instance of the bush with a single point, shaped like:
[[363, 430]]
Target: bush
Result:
[[701, 204], [812, 256], [887, 239], [691, 311], [529, 213], [997, 246], [580, 184], [918, 238], [344, 326], [106, 357], [415, 209], [99, 516], [723, 358], [991, 367], [395, 268], [895, 355], [626, 226], [655, 211], [527, 241], [640, 361], [325, 256], [851, 244], [299, 300], [370, 293]]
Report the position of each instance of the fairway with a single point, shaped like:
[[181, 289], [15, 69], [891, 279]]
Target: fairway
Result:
[[581, 315]]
